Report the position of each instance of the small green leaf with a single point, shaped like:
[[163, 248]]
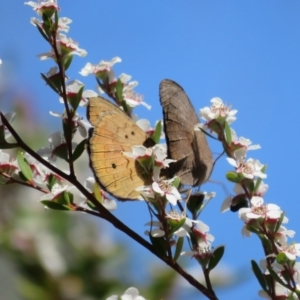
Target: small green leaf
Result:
[[119, 91], [259, 275], [61, 151], [159, 245], [279, 222], [216, 257], [291, 296], [76, 100], [233, 177], [52, 84], [54, 205], [68, 198], [51, 181], [175, 224], [24, 166], [179, 246], [42, 32], [157, 133], [195, 202], [227, 133], [97, 193], [281, 258], [67, 61], [79, 150], [176, 182], [3, 180]]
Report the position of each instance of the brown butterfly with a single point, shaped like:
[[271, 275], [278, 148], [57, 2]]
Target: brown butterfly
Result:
[[114, 133], [190, 148]]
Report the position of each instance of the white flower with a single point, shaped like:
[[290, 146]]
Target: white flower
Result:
[[246, 143], [156, 230], [103, 68], [39, 171], [216, 110], [291, 251], [69, 47], [7, 166], [258, 210], [163, 188], [283, 233], [132, 98], [82, 125], [73, 88], [249, 169], [56, 190], [157, 152], [56, 140], [131, 293], [40, 6]]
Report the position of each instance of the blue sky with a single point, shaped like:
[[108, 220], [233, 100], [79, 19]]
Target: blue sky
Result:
[[245, 52]]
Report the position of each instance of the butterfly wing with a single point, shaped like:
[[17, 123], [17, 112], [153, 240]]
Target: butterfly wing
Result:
[[114, 133], [188, 147]]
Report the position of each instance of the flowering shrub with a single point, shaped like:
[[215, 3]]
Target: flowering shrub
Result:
[[174, 212]]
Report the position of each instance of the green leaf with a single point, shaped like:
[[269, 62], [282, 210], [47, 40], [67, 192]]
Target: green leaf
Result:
[[176, 182], [76, 100], [175, 224], [61, 151], [279, 222], [119, 91], [79, 150], [67, 61], [97, 192], [54, 205], [228, 133], [259, 180], [233, 177], [195, 202], [68, 198], [281, 258], [3, 180], [291, 296], [159, 245], [259, 275], [50, 83], [179, 246], [216, 257], [42, 32], [157, 133], [24, 166], [51, 181]]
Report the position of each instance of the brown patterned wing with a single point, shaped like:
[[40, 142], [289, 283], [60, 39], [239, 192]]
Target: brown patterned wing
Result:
[[188, 147], [114, 133]]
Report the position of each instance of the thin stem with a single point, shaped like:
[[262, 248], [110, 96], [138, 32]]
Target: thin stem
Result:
[[64, 96]]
